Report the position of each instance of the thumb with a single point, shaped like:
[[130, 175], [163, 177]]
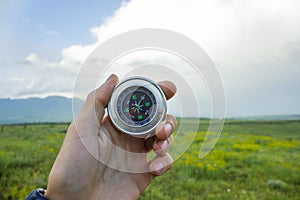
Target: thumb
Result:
[[102, 95], [98, 99]]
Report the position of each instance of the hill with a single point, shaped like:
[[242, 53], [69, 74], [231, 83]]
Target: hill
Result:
[[59, 109], [36, 110], [268, 117]]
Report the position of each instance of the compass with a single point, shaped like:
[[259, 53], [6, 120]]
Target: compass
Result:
[[137, 106]]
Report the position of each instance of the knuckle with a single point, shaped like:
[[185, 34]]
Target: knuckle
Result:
[[91, 96], [172, 120]]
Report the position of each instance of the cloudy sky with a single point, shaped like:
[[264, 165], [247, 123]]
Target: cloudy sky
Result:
[[255, 44]]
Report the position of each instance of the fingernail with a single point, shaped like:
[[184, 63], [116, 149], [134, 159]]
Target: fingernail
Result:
[[158, 167], [163, 144], [168, 129], [109, 78]]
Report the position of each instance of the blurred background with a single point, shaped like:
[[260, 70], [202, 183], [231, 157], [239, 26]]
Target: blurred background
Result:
[[254, 44]]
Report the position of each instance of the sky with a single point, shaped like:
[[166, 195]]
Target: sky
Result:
[[255, 44]]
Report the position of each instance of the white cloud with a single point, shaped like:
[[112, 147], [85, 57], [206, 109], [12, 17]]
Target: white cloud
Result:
[[76, 54], [38, 77], [254, 43], [32, 58], [226, 29], [236, 34]]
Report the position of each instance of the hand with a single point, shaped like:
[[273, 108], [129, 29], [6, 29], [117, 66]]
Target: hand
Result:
[[96, 161]]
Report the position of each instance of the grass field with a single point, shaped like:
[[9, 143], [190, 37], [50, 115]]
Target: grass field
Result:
[[252, 160]]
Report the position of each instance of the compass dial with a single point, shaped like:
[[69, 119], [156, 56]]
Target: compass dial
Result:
[[137, 106]]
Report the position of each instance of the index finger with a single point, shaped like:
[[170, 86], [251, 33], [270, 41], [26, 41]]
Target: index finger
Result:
[[168, 88]]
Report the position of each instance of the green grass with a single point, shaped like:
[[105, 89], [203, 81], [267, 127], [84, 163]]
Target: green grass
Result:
[[27, 153], [252, 160]]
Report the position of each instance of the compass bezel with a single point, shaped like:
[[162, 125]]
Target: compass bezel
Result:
[[134, 129]]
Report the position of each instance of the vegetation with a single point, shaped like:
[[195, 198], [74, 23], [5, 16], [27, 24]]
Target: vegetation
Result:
[[27, 153], [252, 160]]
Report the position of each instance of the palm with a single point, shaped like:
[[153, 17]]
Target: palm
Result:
[[83, 173], [122, 173]]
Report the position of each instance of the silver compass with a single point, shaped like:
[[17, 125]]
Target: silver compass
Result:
[[137, 106]]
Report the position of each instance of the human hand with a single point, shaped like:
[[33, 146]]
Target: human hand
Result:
[[96, 161]]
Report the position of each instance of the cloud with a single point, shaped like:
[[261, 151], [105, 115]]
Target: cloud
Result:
[[254, 44], [38, 77], [74, 56], [234, 31], [244, 37]]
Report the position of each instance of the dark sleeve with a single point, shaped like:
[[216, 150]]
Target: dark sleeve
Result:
[[37, 194]]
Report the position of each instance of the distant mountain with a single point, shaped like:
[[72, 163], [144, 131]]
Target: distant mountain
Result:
[[59, 109], [36, 110], [269, 117]]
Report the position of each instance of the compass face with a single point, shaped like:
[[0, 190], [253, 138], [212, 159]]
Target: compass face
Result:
[[136, 106]]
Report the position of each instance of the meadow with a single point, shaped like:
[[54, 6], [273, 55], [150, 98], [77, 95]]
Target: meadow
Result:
[[252, 160]]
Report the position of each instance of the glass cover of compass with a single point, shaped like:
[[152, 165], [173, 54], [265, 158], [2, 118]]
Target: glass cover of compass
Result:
[[137, 106]]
